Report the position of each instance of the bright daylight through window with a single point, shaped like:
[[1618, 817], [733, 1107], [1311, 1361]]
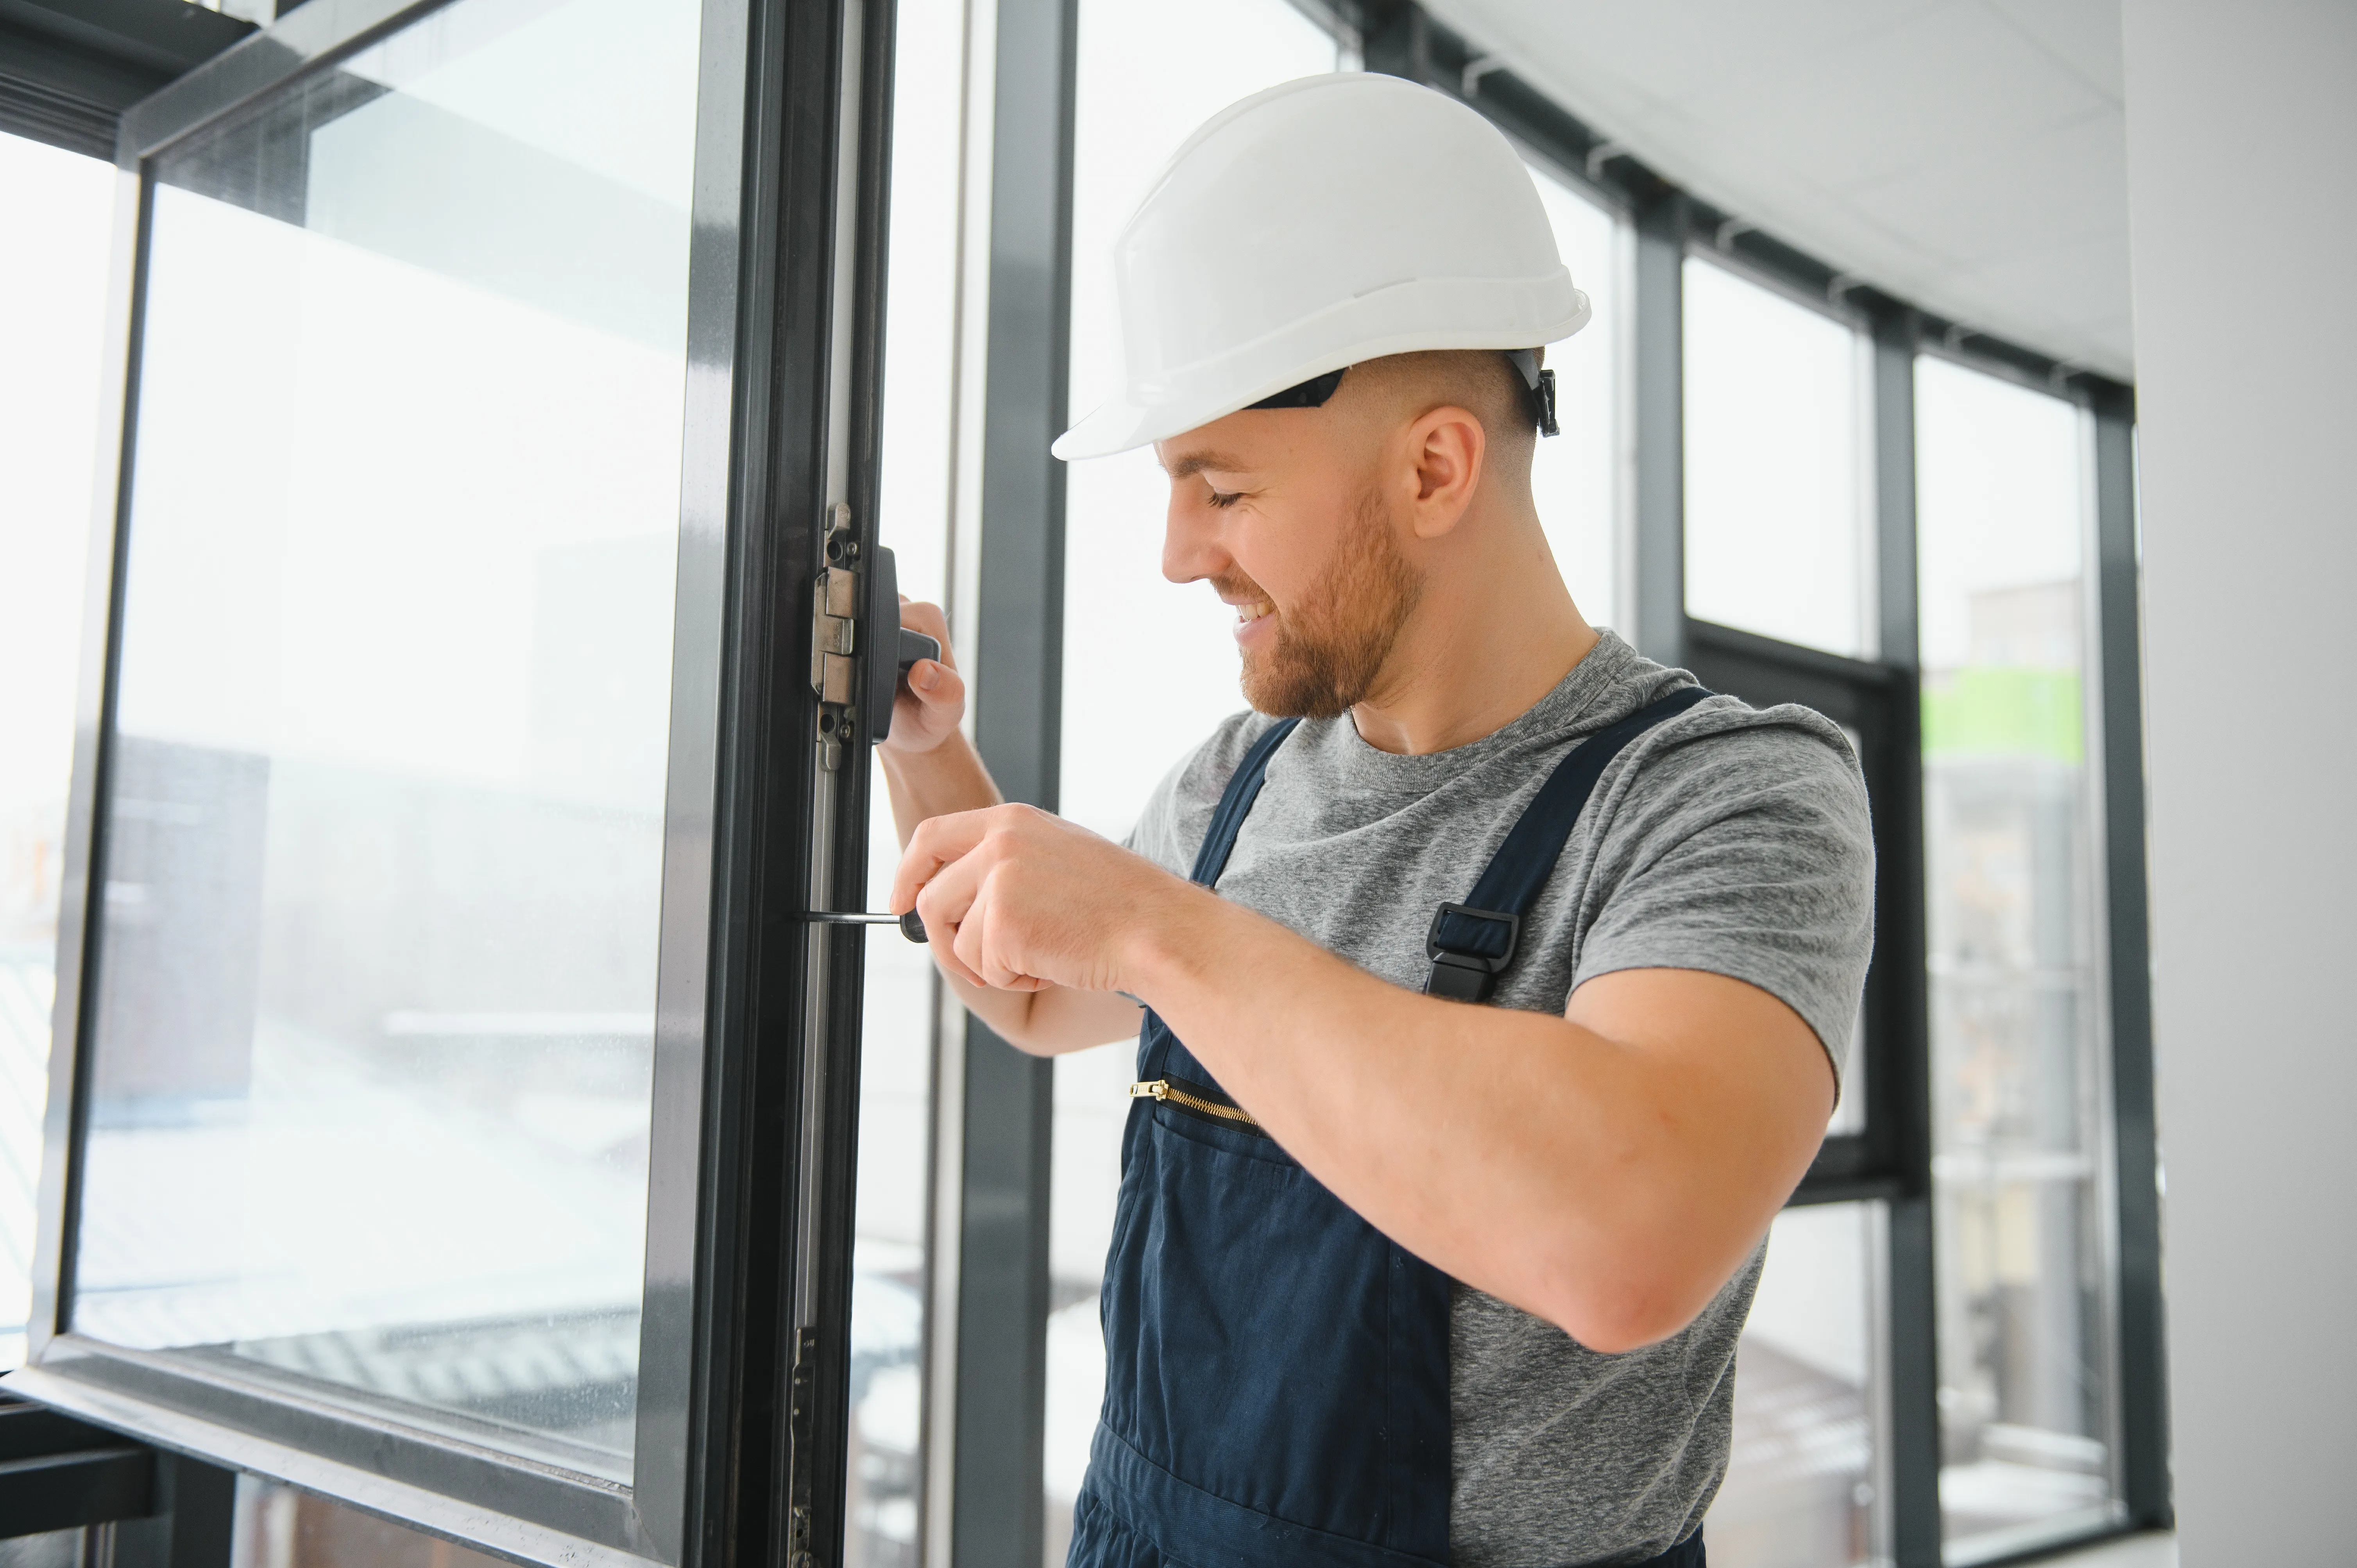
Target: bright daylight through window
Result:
[[2019, 1117], [1776, 544], [1777, 539], [1802, 1488], [372, 1045], [885, 1473], [1576, 478], [52, 339]]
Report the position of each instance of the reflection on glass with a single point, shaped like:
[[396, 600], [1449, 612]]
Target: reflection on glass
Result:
[[2025, 1330], [1777, 532], [1801, 1478], [884, 1502], [1574, 477], [45, 1549], [53, 292], [385, 831], [1143, 86]]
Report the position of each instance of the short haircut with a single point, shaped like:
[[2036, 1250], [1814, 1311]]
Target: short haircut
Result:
[[1481, 381]]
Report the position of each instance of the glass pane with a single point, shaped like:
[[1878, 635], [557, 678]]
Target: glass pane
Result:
[[1777, 540], [1143, 86], [275, 1526], [1801, 1476], [374, 1037], [49, 1548], [1574, 477], [2025, 1332], [889, 1294], [53, 293]]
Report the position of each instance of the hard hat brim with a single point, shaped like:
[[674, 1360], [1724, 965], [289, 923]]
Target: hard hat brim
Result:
[[1127, 422]]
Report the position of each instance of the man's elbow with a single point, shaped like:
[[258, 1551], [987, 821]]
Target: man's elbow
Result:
[[1632, 1309]]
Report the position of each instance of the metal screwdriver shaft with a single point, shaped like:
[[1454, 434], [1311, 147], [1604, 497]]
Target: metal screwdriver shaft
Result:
[[911, 927]]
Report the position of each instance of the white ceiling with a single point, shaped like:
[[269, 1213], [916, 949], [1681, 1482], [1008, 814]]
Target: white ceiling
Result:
[[1966, 155]]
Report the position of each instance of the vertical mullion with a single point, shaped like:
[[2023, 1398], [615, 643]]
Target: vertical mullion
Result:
[[2143, 1366], [863, 46], [999, 1513], [771, 1234], [1658, 329], [1899, 1100]]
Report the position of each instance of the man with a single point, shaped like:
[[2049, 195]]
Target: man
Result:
[[1396, 1278]]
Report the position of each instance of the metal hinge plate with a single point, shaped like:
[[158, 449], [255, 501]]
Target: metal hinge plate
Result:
[[834, 636], [801, 1422], [834, 633]]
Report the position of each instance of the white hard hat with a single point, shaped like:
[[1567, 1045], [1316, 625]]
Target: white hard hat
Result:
[[1322, 222]]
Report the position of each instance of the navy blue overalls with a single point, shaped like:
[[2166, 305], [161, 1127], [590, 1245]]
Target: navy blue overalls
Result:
[[1276, 1369]]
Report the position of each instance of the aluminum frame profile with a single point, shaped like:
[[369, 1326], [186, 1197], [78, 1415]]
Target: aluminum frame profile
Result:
[[764, 372], [70, 68], [2143, 1343]]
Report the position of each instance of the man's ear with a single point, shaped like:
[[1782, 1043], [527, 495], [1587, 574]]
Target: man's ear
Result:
[[1449, 447]]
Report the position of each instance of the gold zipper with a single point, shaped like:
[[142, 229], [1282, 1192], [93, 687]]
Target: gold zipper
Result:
[[1194, 1098]]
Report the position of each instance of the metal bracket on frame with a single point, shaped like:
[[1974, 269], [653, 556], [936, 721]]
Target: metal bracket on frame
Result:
[[801, 1458], [835, 637]]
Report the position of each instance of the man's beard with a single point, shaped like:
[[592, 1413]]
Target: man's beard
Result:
[[1330, 648]]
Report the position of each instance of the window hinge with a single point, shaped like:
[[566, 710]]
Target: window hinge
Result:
[[802, 1422], [835, 637]]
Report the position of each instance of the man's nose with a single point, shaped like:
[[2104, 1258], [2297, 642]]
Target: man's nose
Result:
[[1191, 546]]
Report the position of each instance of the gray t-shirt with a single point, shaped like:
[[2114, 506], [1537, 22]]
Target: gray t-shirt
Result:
[[1728, 839]]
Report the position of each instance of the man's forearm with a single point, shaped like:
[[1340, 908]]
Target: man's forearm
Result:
[[951, 777], [948, 777], [1610, 1187]]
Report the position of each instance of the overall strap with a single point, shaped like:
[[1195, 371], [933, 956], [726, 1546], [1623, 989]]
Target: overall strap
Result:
[[1229, 818], [1470, 944]]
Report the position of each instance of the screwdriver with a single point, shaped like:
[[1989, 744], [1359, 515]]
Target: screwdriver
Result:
[[911, 926]]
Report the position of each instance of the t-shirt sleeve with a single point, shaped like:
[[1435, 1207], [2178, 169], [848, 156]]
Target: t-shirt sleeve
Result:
[[1154, 834], [1746, 852]]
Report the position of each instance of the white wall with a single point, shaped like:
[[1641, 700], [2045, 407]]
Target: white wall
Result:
[[2242, 169]]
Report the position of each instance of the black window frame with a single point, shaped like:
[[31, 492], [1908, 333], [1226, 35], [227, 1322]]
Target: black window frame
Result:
[[744, 1357]]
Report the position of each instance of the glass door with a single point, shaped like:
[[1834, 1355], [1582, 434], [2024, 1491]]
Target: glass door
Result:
[[453, 1100]]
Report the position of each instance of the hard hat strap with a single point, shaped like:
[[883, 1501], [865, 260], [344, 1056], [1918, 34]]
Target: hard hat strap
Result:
[[1314, 392], [1311, 393]]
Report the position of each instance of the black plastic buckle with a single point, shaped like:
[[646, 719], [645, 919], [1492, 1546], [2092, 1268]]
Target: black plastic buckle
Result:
[[1457, 973], [1542, 387]]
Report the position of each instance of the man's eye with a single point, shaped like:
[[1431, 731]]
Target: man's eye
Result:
[[1218, 499]]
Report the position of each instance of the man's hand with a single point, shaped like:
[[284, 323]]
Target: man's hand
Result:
[[933, 699], [1020, 900], [929, 769], [934, 778]]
